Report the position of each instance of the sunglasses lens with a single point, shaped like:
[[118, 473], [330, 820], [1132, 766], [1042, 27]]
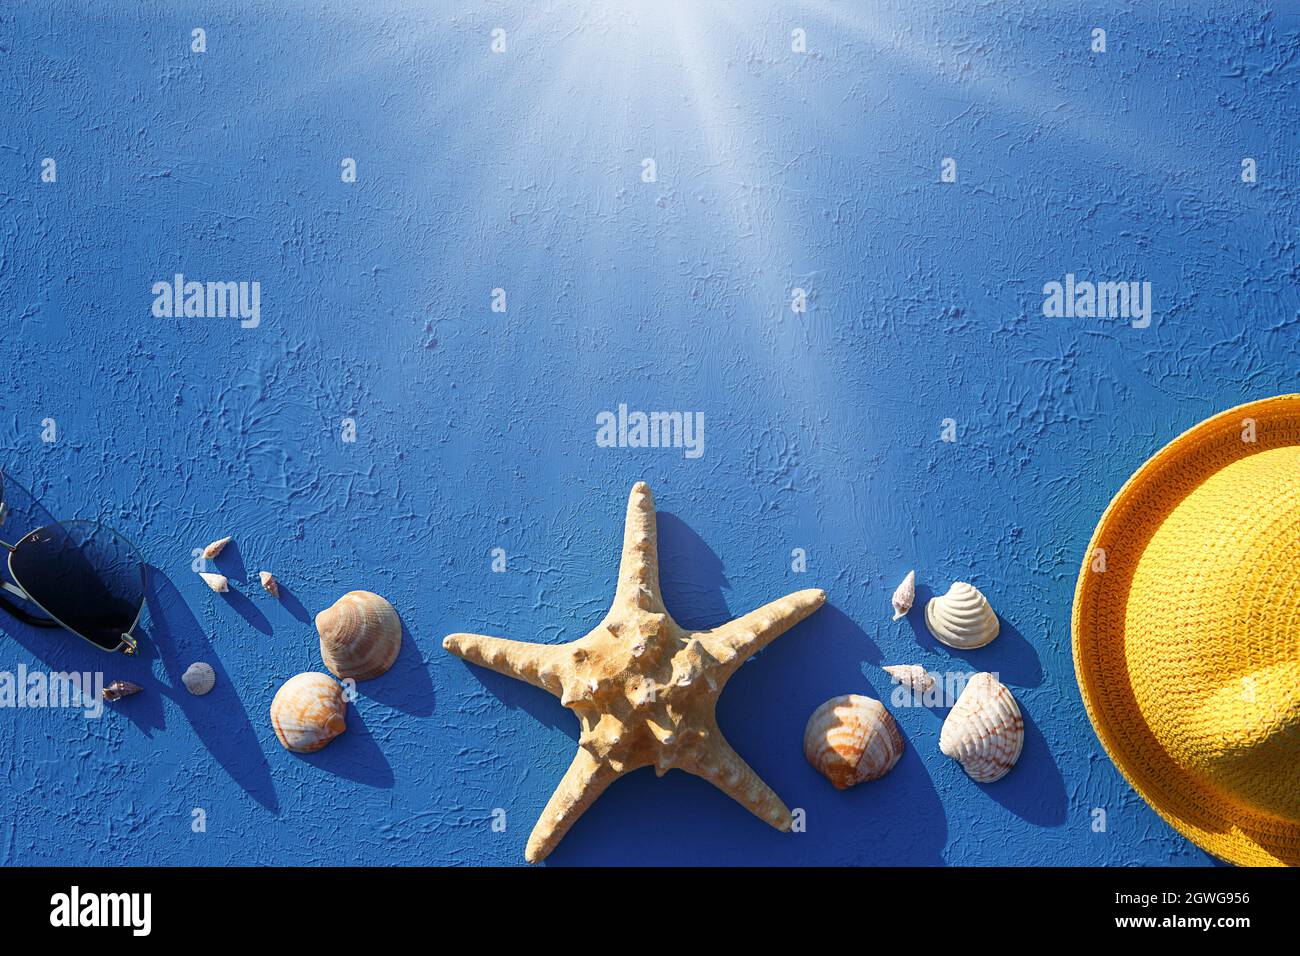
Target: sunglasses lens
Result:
[[85, 576]]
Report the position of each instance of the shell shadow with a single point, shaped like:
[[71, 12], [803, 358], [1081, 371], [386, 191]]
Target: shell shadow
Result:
[[246, 609], [290, 602], [354, 755], [230, 562], [1034, 789], [1010, 655], [407, 685]]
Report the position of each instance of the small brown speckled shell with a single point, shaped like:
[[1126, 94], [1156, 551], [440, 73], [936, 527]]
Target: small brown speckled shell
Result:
[[851, 739]]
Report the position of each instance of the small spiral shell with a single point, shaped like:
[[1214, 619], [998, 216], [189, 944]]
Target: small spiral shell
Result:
[[912, 676], [904, 595], [218, 582], [215, 548]]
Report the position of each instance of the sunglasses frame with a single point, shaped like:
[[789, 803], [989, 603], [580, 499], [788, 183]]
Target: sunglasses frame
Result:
[[128, 644]]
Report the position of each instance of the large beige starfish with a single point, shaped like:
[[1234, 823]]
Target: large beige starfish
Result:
[[644, 689]]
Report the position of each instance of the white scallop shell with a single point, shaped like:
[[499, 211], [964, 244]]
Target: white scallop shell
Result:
[[269, 583], [912, 676], [307, 712], [199, 678], [360, 635], [850, 739], [984, 731], [217, 582], [904, 595], [962, 618], [215, 548]]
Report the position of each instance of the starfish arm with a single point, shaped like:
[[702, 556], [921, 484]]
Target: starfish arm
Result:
[[638, 569], [738, 640], [724, 768], [584, 781], [534, 663]]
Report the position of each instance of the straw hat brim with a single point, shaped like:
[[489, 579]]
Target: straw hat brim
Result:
[[1228, 830]]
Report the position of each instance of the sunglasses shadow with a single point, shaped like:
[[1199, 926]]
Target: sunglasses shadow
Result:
[[218, 717]]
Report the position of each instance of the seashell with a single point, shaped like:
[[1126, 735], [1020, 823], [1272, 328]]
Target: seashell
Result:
[[850, 739], [199, 678], [215, 548], [119, 689], [217, 582], [269, 583], [904, 595], [307, 712], [912, 676], [962, 618], [984, 731], [359, 636]]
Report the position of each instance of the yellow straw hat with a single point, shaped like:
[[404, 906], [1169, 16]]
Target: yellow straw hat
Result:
[[1187, 632]]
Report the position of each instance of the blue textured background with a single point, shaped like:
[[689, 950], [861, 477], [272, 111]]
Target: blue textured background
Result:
[[476, 429]]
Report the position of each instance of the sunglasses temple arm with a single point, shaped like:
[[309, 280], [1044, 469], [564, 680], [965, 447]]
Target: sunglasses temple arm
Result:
[[24, 616]]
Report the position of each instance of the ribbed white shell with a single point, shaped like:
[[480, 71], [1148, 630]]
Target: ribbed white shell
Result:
[[199, 678], [962, 618], [984, 731]]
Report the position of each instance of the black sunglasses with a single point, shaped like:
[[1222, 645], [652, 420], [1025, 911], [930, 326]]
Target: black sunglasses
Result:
[[83, 576]]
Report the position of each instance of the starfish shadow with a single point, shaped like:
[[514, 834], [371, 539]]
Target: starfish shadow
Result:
[[537, 703], [691, 576]]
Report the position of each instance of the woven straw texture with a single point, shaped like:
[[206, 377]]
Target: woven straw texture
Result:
[[1187, 644]]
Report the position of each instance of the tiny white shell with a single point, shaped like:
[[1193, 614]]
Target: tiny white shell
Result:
[[269, 583], [984, 731], [962, 618], [851, 739], [215, 548], [217, 582], [199, 678], [912, 676], [904, 595]]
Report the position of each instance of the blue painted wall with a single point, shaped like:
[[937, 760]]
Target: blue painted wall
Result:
[[476, 430]]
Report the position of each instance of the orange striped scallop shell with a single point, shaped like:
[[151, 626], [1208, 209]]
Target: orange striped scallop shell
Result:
[[850, 739]]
